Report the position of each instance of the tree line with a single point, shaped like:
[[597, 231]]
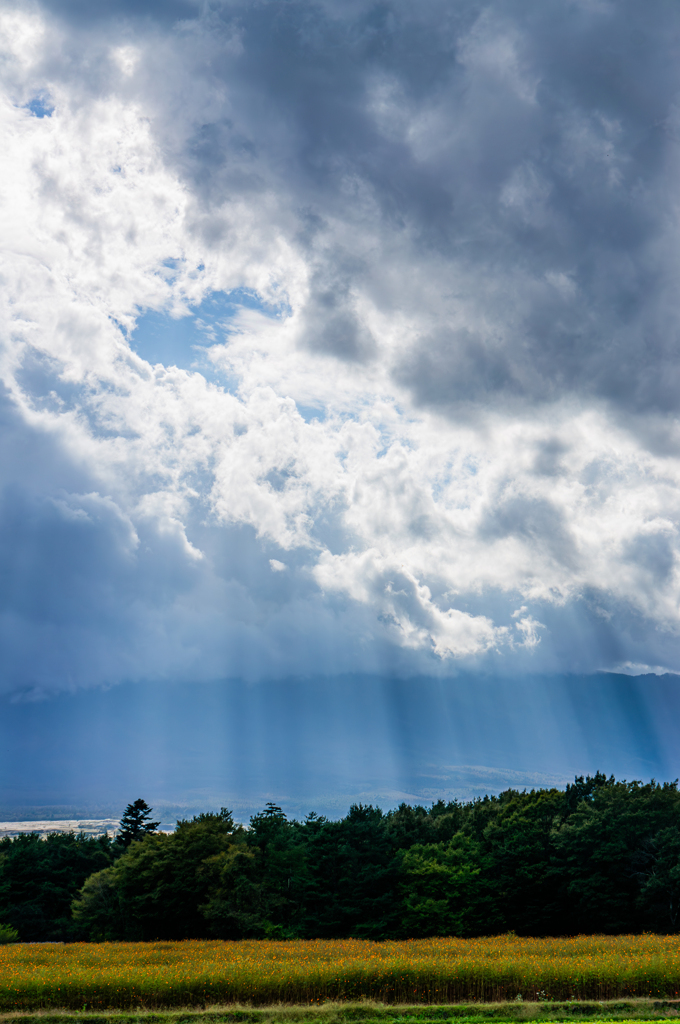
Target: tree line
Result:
[[601, 856]]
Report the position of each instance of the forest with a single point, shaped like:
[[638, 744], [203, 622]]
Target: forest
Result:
[[600, 856]]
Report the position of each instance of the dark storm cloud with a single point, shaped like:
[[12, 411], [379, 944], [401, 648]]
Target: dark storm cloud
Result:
[[526, 153], [81, 12], [467, 204], [90, 596], [331, 324], [535, 521], [528, 148], [456, 368]]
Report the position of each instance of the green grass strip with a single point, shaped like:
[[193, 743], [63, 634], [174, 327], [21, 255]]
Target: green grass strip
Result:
[[638, 1010]]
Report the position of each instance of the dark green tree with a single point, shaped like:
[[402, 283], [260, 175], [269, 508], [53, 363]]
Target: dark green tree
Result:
[[410, 825], [260, 885], [659, 862], [516, 848], [352, 889], [156, 889], [40, 877], [135, 823], [599, 848], [602, 856], [446, 890]]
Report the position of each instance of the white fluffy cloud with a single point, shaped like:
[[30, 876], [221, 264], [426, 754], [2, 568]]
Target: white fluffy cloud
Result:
[[437, 423]]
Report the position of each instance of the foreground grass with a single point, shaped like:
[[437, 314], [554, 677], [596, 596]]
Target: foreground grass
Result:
[[157, 975], [637, 1010]]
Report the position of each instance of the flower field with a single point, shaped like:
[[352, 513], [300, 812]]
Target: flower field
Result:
[[197, 973]]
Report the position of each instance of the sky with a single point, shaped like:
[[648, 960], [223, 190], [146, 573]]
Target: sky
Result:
[[339, 387]]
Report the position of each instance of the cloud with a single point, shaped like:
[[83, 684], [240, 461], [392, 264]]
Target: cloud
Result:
[[418, 267], [75, 12]]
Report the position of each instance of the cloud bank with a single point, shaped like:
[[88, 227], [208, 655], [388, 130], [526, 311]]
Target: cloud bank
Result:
[[338, 337]]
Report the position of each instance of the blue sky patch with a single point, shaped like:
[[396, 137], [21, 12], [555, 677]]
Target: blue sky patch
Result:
[[41, 106], [161, 338]]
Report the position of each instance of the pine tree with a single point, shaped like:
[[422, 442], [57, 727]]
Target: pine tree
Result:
[[135, 823]]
